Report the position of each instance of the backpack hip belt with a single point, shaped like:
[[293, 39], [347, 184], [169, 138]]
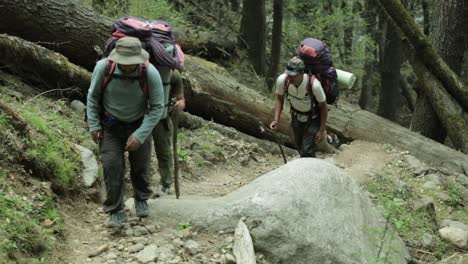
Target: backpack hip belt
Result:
[[312, 114]]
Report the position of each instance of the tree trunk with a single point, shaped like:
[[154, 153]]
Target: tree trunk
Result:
[[425, 120], [217, 97], [227, 101], [275, 42], [42, 22], [360, 124], [190, 121], [62, 25], [408, 93], [253, 31], [369, 67], [449, 113], [40, 65], [234, 5], [426, 52], [426, 23], [447, 38], [389, 102]]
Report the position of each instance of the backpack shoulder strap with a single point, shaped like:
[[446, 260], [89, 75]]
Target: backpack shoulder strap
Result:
[[143, 77], [171, 83], [287, 82], [309, 84], [108, 71]]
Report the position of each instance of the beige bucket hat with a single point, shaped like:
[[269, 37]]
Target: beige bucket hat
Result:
[[128, 51]]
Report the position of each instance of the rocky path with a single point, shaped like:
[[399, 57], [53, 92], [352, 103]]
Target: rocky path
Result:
[[161, 241]]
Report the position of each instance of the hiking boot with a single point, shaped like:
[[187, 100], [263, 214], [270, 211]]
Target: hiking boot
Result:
[[163, 191], [117, 219], [141, 208]]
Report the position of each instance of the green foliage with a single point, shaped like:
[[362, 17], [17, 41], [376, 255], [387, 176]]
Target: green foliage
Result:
[[3, 120], [408, 223], [184, 226], [155, 9], [328, 20], [55, 125], [52, 153], [453, 187], [25, 226]]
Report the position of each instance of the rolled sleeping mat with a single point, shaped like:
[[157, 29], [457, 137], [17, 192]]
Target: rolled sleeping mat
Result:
[[345, 79]]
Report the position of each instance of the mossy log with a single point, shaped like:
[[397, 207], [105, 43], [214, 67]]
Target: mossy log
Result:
[[212, 94], [425, 51], [37, 63], [73, 29], [354, 123], [190, 121]]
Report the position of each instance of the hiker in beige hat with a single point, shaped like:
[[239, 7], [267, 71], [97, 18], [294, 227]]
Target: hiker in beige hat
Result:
[[309, 111], [125, 102]]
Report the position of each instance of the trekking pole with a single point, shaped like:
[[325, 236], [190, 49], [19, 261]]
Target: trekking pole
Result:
[[263, 130], [175, 126]]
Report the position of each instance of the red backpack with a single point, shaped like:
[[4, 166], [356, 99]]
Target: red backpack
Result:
[[318, 62], [155, 36]]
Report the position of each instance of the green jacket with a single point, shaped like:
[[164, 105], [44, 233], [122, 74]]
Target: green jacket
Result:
[[125, 100]]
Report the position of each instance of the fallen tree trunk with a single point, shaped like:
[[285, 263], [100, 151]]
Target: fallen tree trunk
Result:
[[39, 64], [212, 94], [354, 123], [75, 30], [209, 94], [189, 121]]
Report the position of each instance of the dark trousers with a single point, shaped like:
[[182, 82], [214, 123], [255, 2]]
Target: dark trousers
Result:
[[304, 135], [162, 136], [113, 161]]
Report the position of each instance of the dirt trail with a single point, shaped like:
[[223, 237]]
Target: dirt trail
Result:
[[85, 232]]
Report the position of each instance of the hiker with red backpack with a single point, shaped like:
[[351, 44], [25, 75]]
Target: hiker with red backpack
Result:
[[166, 55], [125, 102], [310, 83], [309, 110]]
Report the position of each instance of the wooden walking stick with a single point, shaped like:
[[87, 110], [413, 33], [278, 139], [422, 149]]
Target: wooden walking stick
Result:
[[175, 126]]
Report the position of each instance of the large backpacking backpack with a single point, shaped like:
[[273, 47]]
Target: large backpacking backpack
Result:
[[318, 62], [156, 37]]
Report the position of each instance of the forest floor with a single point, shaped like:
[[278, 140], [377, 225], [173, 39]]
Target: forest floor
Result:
[[85, 231], [84, 221], [213, 165]]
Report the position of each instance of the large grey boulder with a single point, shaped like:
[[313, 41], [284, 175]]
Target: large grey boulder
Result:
[[307, 211]]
